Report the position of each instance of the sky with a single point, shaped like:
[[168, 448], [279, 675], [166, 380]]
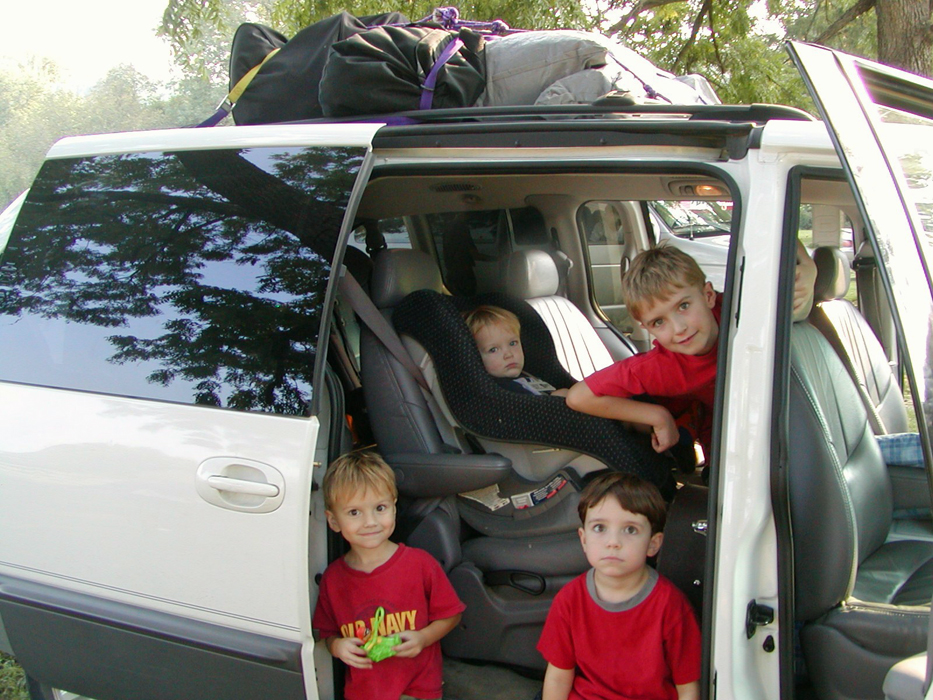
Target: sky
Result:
[[86, 38]]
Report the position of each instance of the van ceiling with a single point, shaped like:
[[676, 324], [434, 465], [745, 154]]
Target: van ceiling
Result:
[[394, 196]]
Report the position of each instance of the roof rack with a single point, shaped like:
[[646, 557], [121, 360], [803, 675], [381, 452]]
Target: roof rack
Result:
[[607, 108]]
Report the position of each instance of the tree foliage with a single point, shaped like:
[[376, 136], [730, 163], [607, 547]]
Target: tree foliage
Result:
[[736, 43]]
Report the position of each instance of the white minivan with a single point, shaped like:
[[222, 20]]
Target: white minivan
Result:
[[192, 326]]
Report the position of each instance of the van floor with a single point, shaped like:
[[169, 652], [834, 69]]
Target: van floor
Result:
[[484, 681]]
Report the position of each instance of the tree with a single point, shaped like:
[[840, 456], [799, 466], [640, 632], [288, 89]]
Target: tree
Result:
[[35, 112], [192, 25], [903, 35], [730, 42], [200, 33], [706, 32]]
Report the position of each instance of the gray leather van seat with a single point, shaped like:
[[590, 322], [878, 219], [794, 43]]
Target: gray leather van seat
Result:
[[863, 600], [855, 342], [532, 275]]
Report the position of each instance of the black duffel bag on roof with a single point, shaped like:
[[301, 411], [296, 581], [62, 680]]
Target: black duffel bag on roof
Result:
[[391, 69], [286, 87]]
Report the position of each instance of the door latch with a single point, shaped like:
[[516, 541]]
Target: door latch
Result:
[[757, 615]]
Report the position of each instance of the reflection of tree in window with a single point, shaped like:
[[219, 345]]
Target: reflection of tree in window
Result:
[[203, 269]]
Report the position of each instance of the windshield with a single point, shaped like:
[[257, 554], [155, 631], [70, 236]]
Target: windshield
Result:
[[695, 219]]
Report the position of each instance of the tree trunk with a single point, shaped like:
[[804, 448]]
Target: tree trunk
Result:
[[904, 35]]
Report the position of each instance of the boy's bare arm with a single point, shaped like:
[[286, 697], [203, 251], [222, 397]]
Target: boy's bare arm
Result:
[[688, 691], [558, 683], [664, 432], [414, 641]]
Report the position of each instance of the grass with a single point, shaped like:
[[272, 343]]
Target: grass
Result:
[[12, 680]]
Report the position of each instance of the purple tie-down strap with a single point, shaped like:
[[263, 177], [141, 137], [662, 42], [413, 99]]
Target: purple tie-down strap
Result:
[[217, 116], [446, 16], [427, 90]]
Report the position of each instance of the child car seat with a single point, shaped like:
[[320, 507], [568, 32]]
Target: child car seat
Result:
[[491, 413]]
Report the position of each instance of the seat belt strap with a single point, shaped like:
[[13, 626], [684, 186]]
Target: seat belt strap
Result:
[[377, 323]]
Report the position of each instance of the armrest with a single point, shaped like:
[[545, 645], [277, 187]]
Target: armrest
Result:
[[421, 475]]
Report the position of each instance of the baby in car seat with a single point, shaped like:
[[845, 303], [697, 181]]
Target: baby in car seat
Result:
[[497, 333]]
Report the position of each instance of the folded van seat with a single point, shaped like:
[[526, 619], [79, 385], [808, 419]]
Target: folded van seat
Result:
[[486, 410], [533, 275]]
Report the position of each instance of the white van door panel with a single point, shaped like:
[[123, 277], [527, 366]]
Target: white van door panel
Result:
[[123, 474]]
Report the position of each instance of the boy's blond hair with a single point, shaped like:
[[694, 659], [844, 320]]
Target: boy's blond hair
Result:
[[655, 274], [357, 471], [486, 315]]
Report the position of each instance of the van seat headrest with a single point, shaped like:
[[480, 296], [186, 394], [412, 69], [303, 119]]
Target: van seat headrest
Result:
[[531, 274], [400, 271], [832, 273]]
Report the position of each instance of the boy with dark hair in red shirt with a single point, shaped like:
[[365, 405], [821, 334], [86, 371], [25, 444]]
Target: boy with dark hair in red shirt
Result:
[[621, 630]]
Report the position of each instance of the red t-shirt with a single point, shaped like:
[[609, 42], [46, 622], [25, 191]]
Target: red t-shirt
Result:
[[637, 650], [674, 380], [414, 591]]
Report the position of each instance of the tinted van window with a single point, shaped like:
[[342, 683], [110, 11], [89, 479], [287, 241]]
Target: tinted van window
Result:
[[192, 277]]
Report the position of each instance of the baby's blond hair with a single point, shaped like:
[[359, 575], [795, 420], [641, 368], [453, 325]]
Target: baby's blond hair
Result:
[[655, 274], [486, 315], [354, 472]]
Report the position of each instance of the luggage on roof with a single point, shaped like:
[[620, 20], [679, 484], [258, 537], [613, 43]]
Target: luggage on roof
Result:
[[396, 69], [575, 67], [375, 66], [286, 87]]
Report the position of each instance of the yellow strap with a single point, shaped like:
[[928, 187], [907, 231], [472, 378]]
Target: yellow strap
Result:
[[243, 82]]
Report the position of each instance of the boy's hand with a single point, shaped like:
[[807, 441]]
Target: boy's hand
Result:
[[350, 651], [413, 641], [560, 392], [664, 434]]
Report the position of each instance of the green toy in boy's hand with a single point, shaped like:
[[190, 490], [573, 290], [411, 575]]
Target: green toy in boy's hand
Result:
[[376, 647]]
